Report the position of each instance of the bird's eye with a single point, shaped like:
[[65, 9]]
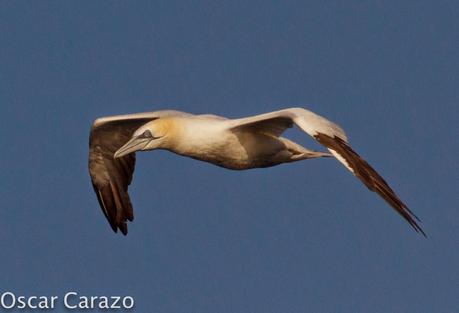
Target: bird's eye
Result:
[[146, 134]]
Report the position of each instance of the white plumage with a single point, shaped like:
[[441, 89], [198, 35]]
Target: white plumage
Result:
[[238, 144]]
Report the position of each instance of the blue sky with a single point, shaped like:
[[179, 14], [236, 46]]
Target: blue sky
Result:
[[293, 238]]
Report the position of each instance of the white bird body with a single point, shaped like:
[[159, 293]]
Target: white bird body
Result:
[[211, 139], [204, 139], [237, 144]]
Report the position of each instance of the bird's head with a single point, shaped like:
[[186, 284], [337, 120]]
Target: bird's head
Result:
[[147, 137]]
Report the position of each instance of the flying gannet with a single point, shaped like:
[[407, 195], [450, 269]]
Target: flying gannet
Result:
[[237, 144]]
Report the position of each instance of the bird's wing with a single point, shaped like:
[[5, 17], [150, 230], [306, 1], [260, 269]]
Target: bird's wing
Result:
[[265, 123], [211, 116], [334, 139], [111, 177]]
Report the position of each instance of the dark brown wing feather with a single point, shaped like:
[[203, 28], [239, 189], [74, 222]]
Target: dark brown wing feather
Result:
[[111, 177], [369, 177]]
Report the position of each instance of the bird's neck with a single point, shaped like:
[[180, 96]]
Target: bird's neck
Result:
[[193, 138]]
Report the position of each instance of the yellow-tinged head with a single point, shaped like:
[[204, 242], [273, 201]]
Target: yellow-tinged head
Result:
[[152, 135]]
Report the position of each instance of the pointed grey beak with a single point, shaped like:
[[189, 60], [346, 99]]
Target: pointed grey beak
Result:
[[132, 145]]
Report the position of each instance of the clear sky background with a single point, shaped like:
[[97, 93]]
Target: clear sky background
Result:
[[304, 237]]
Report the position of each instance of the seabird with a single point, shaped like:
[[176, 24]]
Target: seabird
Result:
[[237, 144]]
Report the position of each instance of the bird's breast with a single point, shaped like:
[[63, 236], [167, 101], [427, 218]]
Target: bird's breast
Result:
[[224, 148]]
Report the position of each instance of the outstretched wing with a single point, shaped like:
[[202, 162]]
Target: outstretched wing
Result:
[[334, 139], [111, 177]]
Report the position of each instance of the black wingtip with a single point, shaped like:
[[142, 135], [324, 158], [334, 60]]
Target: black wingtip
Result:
[[418, 229], [123, 228], [423, 233], [413, 215], [369, 177]]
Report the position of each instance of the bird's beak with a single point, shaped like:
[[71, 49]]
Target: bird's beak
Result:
[[132, 145]]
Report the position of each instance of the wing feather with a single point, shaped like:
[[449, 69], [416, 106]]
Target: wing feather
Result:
[[111, 177], [334, 139], [368, 175], [274, 126]]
